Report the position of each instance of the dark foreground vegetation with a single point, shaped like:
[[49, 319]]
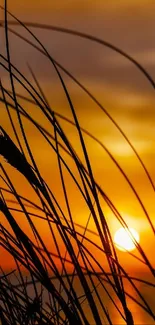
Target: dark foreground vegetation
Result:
[[54, 298]]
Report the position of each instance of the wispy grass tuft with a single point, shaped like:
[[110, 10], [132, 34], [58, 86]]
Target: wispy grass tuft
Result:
[[74, 275]]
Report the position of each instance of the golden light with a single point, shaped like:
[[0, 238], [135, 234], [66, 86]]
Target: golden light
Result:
[[124, 241]]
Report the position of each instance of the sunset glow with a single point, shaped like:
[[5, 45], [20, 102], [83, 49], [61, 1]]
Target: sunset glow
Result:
[[77, 152], [123, 240]]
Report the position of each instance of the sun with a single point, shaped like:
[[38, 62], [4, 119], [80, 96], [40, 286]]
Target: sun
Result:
[[124, 241]]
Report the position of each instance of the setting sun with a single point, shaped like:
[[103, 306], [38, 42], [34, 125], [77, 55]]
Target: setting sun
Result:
[[124, 241]]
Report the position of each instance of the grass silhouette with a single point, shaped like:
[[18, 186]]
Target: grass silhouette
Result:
[[63, 303]]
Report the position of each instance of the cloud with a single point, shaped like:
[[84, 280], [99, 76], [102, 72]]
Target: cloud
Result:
[[145, 57]]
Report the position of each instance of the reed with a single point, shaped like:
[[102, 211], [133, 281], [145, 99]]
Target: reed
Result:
[[54, 274]]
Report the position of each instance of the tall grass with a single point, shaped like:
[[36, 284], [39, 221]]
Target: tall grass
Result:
[[68, 281]]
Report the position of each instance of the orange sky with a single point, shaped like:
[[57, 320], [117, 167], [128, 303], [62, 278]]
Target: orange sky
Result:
[[119, 87]]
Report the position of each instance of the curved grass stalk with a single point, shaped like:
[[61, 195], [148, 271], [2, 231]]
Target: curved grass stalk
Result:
[[79, 83], [65, 305]]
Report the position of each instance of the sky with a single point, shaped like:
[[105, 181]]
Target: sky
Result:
[[116, 83]]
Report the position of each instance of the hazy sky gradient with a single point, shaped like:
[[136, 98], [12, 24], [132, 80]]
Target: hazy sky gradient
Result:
[[119, 86]]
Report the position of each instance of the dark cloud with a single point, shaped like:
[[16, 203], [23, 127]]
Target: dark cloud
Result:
[[128, 26]]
